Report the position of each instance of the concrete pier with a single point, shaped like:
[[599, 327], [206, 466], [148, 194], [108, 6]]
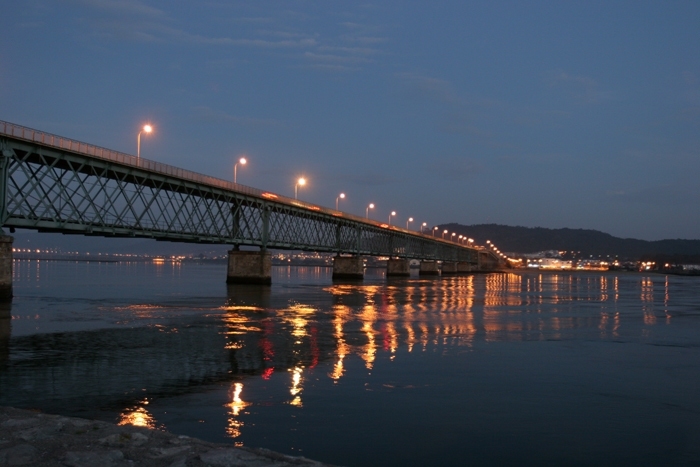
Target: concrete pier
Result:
[[5, 331], [449, 268], [464, 267], [249, 267], [429, 268], [487, 262], [6, 267], [398, 268], [348, 267]]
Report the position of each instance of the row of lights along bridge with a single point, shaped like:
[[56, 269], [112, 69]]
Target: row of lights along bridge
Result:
[[302, 182]]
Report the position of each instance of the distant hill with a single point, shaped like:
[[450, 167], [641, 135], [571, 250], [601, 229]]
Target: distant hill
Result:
[[508, 239], [30, 239], [587, 242]]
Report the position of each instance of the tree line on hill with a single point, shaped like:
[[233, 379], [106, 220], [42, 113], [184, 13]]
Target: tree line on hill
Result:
[[582, 242]]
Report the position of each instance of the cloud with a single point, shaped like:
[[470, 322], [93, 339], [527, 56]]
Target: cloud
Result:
[[454, 170], [210, 115], [365, 40], [349, 50], [335, 68], [345, 49], [367, 179], [580, 87], [334, 58], [665, 195], [462, 124], [428, 87], [126, 8]]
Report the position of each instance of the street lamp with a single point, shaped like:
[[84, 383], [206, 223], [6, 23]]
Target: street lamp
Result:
[[241, 161], [147, 129], [452, 236], [459, 239], [434, 229], [410, 219], [423, 226], [340, 196], [371, 206], [302, 182], [443, 233], [393, 213]]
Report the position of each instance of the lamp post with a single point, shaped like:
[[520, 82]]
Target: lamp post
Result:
[[393, 213], [410, 219], [443, 233], [241, 161], [452, 237], [147, 129], [423, 226], [302, 182], [371, 206], [434, 229], [459, 239], [340, 196]]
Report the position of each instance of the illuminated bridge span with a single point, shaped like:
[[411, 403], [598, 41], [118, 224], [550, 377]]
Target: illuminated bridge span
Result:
[[54, 184]]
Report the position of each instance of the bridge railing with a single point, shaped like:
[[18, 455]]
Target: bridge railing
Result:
[[60, 142]]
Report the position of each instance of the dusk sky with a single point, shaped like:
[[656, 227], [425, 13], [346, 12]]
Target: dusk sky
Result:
[[579, 114]]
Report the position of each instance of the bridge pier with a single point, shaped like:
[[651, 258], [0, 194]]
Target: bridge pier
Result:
[[429, 268], [249, 267], [398, 267], [348, 267], [449, 268], [5, 331], [464, 267], [486, 262], [6, 268]]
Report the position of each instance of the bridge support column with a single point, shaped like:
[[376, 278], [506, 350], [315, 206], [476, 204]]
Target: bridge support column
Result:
[[464, 267], [5, 331], [348, 267], [449, 268], [486, 262], [249, 267], [6, 268], [429, 268], [398, 267]]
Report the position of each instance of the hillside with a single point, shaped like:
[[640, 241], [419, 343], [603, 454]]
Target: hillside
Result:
[[587, 242], [508, 239]]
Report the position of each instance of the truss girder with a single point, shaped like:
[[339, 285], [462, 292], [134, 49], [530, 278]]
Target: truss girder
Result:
[[56, 190]]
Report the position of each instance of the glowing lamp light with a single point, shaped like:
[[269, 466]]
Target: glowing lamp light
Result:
[[340, 196], [300, 182], [145, 129], [241, 161]]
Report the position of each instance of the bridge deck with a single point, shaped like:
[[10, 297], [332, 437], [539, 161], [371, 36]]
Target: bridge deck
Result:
[[52, 183]]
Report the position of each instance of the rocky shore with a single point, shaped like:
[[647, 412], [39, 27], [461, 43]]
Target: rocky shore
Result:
[[42, 440]]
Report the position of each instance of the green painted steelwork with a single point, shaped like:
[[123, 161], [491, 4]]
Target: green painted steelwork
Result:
[[54, 184]]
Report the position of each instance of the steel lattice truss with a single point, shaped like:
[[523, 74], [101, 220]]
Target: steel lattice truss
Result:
[[51, 189]]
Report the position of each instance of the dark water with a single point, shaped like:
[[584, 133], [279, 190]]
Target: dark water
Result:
[[512, 369]]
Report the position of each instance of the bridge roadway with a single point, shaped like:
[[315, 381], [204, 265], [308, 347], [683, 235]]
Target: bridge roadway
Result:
[[55, 184]]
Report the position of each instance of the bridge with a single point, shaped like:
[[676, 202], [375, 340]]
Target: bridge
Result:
[[56, 184]]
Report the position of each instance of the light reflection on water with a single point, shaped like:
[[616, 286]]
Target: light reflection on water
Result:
[[498, 368]]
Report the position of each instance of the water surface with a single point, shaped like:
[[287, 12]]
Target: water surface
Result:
[[521, 368]]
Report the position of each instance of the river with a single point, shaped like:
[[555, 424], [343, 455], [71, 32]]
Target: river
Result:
[[521, 368]]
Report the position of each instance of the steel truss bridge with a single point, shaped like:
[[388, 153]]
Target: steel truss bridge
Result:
[[55, 184]]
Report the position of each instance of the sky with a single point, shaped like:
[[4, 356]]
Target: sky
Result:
[[577, 114]]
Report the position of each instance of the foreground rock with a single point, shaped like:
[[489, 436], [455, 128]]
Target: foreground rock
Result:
[[36, 439]]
